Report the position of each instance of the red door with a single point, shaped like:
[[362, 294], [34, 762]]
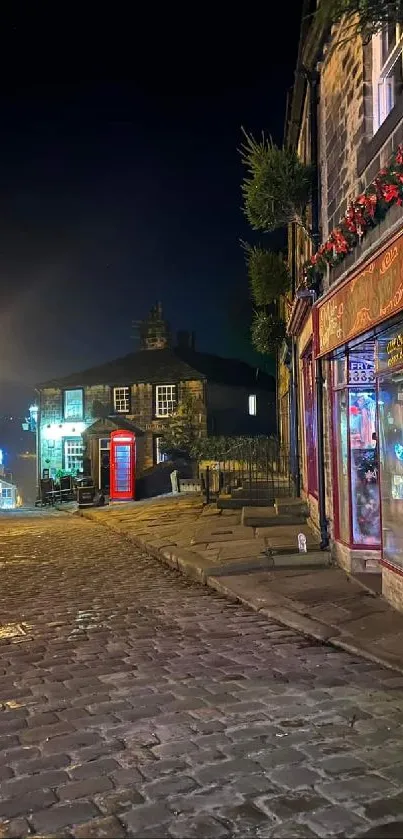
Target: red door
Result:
[[310, 425], [122, 464]]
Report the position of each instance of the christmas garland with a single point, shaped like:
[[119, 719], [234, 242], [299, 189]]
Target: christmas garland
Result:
[[363, 214]]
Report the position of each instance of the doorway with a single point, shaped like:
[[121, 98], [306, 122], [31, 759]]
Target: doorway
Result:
[[104, 464]]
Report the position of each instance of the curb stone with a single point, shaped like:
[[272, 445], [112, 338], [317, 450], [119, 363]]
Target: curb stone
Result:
[[194, 566]]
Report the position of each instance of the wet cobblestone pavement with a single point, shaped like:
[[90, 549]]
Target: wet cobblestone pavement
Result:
[[136, 703]]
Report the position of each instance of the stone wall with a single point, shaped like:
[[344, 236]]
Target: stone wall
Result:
[[392, 587], [343, 80]]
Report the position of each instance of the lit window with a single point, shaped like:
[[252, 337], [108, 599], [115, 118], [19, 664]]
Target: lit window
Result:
[[165, 400], [73, 404], [160, 456], [73, 455], [121, 400], [387, 75], [252, 405]]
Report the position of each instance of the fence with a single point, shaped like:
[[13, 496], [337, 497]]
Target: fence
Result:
[[255, 470]]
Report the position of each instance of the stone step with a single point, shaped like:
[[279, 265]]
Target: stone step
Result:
[[227, 502], [268, 517], [291, 506], [312, 559]]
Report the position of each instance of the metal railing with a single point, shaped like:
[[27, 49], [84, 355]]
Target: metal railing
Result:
[[256, 470]]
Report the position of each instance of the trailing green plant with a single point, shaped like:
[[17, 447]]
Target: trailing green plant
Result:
[[268, 332], [360, 17], [277, 187], [268, 274]]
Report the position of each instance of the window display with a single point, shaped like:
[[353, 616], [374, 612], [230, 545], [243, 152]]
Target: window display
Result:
[[343, 487], [356, 448], [365, 506], [391, 462]]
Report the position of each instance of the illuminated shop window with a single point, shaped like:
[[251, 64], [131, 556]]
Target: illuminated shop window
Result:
[[356, 450]]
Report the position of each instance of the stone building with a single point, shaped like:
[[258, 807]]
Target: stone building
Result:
[[137, 393], [346, 322]]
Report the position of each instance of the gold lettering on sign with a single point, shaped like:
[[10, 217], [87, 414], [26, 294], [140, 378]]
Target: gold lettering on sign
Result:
[[394, 350], [394, 302], [362, 319], [388, 259]]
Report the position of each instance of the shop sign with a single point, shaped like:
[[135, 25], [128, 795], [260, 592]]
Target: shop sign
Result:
[[394, 351], [367, 299], [389, 351], [361, 368]]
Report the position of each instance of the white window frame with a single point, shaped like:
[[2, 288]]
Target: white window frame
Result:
[[383, 84], [71, 457], [121, 399], [78, 416], [165, 400], [252, 405], [160, 457]]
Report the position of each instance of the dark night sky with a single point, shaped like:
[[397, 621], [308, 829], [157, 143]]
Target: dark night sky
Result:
[[120, 185]]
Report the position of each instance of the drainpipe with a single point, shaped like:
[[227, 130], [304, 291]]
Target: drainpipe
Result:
[[294, 375], [313, 82]]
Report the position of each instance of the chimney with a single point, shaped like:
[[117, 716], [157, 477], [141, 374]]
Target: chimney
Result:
[[154, 330], [185, 340]]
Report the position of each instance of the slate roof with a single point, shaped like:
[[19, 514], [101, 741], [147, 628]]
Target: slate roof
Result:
[[168, 366]]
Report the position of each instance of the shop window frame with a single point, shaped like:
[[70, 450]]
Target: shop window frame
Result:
[[381, 375], [312, 455], [335, 388]]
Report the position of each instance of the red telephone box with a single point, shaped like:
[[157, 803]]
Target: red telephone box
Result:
[[122, 465]]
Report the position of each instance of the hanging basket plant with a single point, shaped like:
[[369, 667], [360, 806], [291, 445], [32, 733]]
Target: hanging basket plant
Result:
[[268, 332], [277, 187], [360, 17], [269, 277]]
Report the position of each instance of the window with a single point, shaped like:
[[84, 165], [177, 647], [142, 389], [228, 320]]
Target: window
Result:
[[6, 492], [160, 456], [252, 405], [121, 400], [73, 404], [73, 455], [387, 75], [165, 400], [391, 460], [358, 505]]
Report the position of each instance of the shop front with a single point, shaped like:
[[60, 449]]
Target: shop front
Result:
[[359, 330]]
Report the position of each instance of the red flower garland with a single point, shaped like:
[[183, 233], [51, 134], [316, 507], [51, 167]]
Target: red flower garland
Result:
[[362, 215]]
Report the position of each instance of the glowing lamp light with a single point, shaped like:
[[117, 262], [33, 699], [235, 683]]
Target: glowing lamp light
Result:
[[1, 457], [399, 451], [56, 430]]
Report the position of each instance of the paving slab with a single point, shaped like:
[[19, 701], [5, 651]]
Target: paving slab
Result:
[[223, 533]]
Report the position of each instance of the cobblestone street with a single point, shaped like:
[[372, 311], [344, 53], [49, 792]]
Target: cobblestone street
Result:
[[136, 703]]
